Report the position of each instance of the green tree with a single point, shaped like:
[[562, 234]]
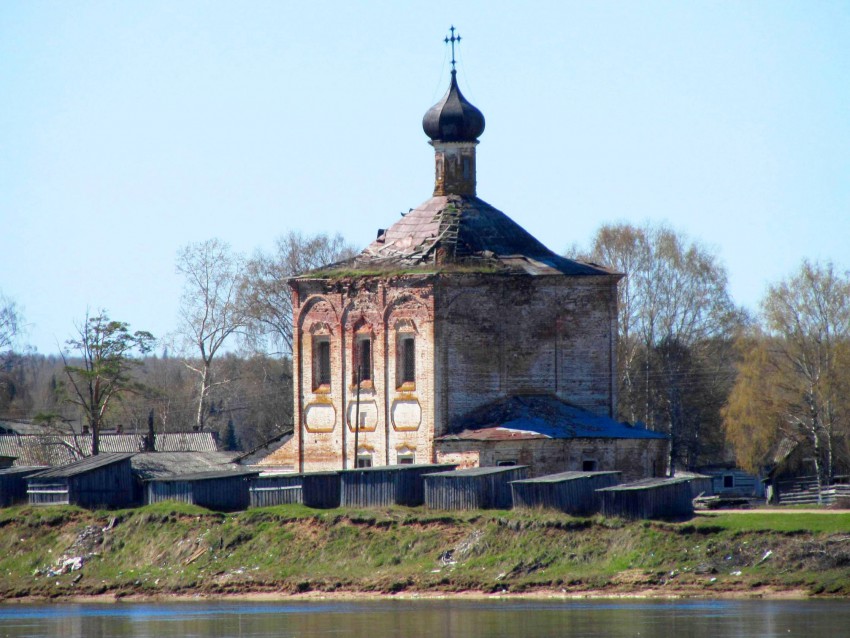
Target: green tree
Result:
[[105, 348]]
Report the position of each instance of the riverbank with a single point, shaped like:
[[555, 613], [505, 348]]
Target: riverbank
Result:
[[176, 550]]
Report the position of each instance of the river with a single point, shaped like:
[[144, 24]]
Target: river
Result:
[[396, 618]]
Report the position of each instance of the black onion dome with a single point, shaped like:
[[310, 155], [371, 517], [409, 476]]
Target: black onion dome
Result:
[[453, 119]]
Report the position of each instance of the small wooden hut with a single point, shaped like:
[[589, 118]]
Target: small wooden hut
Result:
[[649, 498], [313, 489], [385, 485], [473, 488], [569, 492], [13, 484], [105, 480], [225, 490]]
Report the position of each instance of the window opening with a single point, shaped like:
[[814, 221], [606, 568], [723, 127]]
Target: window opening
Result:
[[505, 463], [406, 361], [363, 359], [322, 354], [406, 458], [588, 466], [729, 480], [364, 459]]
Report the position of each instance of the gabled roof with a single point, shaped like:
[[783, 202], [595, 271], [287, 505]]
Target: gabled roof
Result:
[[539, 417], [83, 466], [460, 232]]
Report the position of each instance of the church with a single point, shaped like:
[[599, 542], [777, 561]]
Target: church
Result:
[[457, 337]]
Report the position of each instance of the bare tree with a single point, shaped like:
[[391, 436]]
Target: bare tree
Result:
[[210, 310], [676, 319], [10, 323], [106, 348], [266, 293]]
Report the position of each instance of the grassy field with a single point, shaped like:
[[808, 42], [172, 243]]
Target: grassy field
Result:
[[171, 548]]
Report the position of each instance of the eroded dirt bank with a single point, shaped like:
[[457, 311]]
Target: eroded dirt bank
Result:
[[171, 549]]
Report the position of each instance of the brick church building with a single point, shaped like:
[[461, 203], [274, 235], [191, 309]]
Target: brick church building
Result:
[[456, 336]]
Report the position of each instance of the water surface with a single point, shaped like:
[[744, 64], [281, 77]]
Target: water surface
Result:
[[389, 618]]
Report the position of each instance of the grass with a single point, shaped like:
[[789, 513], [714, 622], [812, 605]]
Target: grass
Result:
[[172, 547], [822, 523]]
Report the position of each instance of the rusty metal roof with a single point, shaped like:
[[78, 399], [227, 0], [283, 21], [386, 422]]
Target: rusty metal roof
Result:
[[539, 417], [461, 232]]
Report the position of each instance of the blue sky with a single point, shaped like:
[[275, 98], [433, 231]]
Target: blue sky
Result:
[[130, 129]]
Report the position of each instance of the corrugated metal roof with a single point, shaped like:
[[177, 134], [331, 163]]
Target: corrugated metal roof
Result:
[[564, 476], [83, 466], [204, 476], [465, 231], [645, 484], [479, 471], [61, 449], [539, 417], [148, 465]]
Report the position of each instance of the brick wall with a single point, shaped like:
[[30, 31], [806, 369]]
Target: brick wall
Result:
[[503, 335]]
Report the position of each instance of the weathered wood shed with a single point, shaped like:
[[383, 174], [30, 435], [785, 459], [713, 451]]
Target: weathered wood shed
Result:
[[701, 484], [224, 491], [385, 485], [13, 484], [649, 498], [570, 492], [473, 488], [105, 480], [313, 489]]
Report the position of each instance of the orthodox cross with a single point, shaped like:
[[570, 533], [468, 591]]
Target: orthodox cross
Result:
[[453, 39]]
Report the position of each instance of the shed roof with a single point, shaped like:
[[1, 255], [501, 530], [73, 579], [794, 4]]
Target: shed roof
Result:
[[564, 476], [61, 449], [479, 471], [203, 476], [21, 469], [539, 417], [464, 232], [645, 484], [148, 465], [83, 466], [398, 468]]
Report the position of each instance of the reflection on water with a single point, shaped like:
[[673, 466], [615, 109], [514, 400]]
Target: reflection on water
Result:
[[431, 618]]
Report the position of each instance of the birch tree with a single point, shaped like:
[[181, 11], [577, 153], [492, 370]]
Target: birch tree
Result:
[[211, 312], [805, 353], [675, 323], [268, 301]]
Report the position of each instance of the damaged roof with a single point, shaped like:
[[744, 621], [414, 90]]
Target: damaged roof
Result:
[[539, 417], [464, 232]]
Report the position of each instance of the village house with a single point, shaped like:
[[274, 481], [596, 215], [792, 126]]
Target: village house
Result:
[[457, 337]]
